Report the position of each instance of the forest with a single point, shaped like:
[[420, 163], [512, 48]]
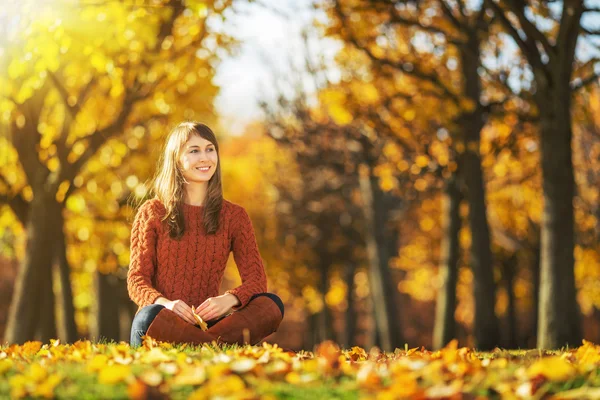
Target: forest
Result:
[[439, 180]]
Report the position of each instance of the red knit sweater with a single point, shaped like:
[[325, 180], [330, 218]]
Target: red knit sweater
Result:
[[191, 269]]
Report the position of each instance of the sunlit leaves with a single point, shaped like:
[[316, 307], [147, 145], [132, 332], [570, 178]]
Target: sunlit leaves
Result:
[[248, 372], [81, 67]]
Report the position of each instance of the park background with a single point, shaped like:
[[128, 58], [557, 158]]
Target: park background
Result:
[[415, 171]]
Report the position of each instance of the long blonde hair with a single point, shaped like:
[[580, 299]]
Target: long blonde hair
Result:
[[168, 183]]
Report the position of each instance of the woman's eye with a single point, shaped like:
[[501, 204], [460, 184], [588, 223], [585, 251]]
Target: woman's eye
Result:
[[211, 149], [193, 151]]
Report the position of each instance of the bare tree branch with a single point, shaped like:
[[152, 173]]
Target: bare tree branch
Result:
[[25, 139], [16, 202], [527, 47], [529, 28], [399, 66], [448, 11], [396, 18], [462, 8], [593, 32], [581, 83]]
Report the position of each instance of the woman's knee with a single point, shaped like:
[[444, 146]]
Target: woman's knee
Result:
[[275, 299], [145, 316]]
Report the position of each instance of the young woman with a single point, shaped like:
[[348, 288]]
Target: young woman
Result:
[[180, 243]]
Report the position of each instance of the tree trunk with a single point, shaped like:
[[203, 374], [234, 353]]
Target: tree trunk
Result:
[[559, 320], [24, 312], [127, 310], [445, 324], [310, 334], [68, 328], [485, 328], [350, 317], [535, 271], [509, 270], [107, 307], [46, 328], [382, 287], [325, 324]]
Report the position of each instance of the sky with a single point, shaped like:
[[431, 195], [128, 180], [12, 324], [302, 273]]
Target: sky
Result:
[[271, 33]]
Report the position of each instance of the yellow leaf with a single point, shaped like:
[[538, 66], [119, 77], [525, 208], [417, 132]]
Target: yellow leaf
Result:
[[37, 373], [155, 355], [553, 368], [193, 375], [46, 388], [97, 363], [137, 390], [367, 376], [5, 365], [113, 374], [30, 348], [242, 365], [340, 115], [422, 161], [16, 68], [151, 378], [293, 378], [18, 385], [117, 89], [409, 114]]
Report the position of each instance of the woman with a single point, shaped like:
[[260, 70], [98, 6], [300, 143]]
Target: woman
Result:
[[180, 243]]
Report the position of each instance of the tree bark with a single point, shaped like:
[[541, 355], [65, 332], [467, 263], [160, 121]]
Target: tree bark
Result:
[[107, 307], [325, 324], [46, 328], [485, 328], [559, 319], [382, 287], [24, 311], [535, 271], [68, 328], [445, 324], [310, 334], [551, 61], [509, 270], [350, 315]]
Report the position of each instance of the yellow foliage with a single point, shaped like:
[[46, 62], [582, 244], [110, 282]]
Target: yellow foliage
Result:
[[552, 368], [113, 374], [245, 371]]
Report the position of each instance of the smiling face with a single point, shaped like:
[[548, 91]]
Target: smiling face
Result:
[[198, 159]]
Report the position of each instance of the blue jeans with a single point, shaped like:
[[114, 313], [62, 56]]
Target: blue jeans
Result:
[[143, 319]]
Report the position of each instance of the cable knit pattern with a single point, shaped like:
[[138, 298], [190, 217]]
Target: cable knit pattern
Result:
[[191, 269]]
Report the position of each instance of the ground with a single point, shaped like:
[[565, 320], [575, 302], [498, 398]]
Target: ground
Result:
[[87, 370]]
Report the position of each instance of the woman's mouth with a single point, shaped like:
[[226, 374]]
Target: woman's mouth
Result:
[[203, 169]]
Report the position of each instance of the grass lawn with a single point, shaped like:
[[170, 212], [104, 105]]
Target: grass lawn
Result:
[[87, 370]]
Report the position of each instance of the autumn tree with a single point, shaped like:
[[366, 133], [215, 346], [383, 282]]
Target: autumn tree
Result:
[[79, 83], [550, 50], [434, 49], [337, 162]]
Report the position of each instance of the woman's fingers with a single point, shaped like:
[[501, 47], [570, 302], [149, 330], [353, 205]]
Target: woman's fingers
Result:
[[207, 314], [203, 314], [186, 314], [207, 303]]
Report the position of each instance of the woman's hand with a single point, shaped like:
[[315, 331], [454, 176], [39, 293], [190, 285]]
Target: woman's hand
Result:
[[180, 308], [215, 307]]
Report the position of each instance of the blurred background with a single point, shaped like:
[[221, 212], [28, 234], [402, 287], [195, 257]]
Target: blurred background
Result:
[[415, 171]]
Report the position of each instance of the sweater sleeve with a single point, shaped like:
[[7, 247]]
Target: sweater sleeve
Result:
[[142, 265], [247, 259]]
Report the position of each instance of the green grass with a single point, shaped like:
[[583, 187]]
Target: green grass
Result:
[[328, 374]]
